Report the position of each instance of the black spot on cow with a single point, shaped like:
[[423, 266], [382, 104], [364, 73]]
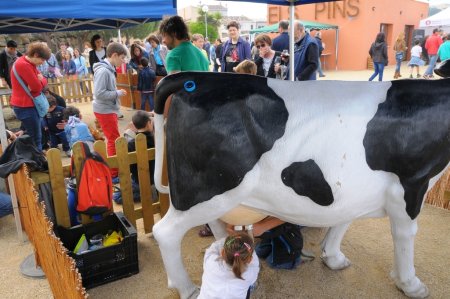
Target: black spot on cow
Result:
[[306, 179], [410, 136], [217, 132]]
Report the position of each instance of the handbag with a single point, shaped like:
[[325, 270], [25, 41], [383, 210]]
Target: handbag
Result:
[[40, 102]]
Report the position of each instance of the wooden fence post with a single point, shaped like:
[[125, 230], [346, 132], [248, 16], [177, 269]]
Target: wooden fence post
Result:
[[59, 193], [125, 179], [142, 155]]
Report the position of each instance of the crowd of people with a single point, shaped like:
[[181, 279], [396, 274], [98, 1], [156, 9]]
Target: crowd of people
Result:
[[433, 48]]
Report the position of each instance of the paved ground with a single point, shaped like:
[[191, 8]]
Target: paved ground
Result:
[[367, 243]]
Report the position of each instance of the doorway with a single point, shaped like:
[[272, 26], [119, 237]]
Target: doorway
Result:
[[409, 42]]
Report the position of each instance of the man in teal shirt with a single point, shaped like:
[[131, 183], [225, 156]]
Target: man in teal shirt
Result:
[[444, 50], [183, 55]]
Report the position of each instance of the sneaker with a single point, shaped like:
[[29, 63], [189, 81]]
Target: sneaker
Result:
[[205, 231], [120, 115], [323, 75], [410, 76], [424, 76]]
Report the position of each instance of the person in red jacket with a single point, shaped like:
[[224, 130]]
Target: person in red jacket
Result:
[[22, 103], [432, 45]]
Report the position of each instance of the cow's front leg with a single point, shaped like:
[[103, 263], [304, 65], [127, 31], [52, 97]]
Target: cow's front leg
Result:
[[403, 232], [169, 233], [332, 255]]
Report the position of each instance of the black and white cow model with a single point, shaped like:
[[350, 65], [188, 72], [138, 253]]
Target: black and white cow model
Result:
[[319, 154]]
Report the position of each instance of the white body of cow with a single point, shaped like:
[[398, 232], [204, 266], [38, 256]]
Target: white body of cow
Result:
[[327, 122]]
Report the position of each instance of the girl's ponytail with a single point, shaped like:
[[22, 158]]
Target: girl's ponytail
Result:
[[238, 266]]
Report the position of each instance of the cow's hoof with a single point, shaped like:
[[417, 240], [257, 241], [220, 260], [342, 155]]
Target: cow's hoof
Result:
[[338, 262], [413, 288]]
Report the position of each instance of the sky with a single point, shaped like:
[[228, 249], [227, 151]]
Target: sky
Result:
[[253, 10]]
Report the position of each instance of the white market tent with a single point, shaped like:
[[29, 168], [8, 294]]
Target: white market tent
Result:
[[440, 20]]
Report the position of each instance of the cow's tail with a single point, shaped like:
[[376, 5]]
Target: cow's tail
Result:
[[164, 89]]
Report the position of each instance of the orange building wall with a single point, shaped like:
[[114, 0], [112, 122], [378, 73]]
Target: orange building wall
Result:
[[359, 22]]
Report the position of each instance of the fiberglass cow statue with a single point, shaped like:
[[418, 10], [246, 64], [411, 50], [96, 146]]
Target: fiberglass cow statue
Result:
[[318, 154]]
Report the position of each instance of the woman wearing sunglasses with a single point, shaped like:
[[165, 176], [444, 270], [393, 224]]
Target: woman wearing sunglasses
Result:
[[266, 59]]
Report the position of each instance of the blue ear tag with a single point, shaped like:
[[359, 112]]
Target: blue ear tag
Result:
[[189, 86]]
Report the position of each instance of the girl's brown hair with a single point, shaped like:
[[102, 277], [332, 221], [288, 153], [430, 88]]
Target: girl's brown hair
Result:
[[237, 252], [39, 49]]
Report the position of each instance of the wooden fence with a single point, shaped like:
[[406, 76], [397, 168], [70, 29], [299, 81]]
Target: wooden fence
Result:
[[60, 269], [122, 160]]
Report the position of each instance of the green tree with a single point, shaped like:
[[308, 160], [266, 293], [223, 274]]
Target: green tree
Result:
[[142, 31], [212, 18], [199, 27]]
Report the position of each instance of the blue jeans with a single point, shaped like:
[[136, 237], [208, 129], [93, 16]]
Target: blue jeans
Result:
[[319, 68], [31, 122], [433, 59], [379, 69], [147, 97], [6, 207], [57, 138], [398, 60]]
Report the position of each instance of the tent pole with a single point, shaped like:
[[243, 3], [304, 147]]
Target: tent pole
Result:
[[12, 189], [337, 47], [291, 37], [119, 37]]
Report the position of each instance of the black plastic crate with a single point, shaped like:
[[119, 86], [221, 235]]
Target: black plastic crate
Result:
[[106, 264]]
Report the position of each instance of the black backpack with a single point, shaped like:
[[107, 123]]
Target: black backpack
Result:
[[285, 242]]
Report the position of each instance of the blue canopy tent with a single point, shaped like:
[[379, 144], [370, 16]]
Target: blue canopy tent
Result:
[[28, 16], [291, 4]]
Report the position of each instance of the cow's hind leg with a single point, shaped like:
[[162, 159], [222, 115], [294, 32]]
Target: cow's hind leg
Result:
[[169, 233], [331, 248], [403, 232]]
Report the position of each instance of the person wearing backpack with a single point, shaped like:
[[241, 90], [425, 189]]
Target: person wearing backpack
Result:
[[75, 129], [106, 104]]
